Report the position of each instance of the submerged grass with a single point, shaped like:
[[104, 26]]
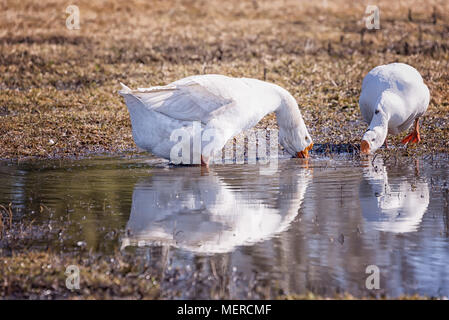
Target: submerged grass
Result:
[[58, 86], [42, 275], [5, 218]]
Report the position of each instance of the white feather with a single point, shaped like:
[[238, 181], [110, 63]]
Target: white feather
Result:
[[392, 205], [226, 105], [399, 91], [208, 215]]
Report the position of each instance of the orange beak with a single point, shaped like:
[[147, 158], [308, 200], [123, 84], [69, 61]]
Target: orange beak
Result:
[[305, 153], [364, 147]]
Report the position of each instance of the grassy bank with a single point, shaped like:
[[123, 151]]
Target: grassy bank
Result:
[[58, 86]]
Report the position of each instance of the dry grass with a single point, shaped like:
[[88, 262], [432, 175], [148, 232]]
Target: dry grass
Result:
[[58, 86], [41, 275]]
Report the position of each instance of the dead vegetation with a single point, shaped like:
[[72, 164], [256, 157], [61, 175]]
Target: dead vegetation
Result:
[[5, 218], [42, 275], [58, 86]]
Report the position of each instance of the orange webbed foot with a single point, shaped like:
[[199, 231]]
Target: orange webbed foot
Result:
[[413, 137]]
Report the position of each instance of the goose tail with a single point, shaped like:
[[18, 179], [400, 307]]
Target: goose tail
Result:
[[132, 100], [125, 90]]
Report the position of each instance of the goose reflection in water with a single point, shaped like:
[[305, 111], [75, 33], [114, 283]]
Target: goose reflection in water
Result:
[[213, 213], [394, 205]]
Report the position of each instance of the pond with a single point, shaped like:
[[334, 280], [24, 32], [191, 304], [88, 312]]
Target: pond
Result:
[[311, 226]]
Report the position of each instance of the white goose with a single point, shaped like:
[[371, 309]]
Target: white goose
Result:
[[207, 214], [394, 205], [393, 96], [225, 106]]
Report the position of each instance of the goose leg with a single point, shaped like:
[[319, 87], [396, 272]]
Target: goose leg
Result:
[[386, 143], [204, 161], [413, 137]]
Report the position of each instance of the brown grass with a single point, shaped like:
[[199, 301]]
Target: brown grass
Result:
[[58, 86], [41, 275]]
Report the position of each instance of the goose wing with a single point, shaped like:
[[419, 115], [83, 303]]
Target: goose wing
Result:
[[188, 100]]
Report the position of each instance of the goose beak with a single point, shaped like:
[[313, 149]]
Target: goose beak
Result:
[[364, 147], [304, 153]]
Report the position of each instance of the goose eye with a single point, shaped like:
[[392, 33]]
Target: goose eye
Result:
[[376, 112], [307, 138], [373, 139]]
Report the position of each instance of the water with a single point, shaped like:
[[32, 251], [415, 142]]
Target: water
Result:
[[312, 226]]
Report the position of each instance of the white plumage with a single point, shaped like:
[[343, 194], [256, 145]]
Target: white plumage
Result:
[[206, 214], [392, 205], [393, 97], [226, 106]]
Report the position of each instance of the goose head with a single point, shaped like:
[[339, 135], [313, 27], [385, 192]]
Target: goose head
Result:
[[293, 134], [375, 136], [372, 140], [296, 141]]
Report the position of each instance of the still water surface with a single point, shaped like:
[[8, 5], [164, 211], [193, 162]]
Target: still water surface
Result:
[[306, 227]]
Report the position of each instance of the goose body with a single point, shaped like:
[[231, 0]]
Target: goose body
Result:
[[222, 105], [211, 214], [393, 97], [392, 205]]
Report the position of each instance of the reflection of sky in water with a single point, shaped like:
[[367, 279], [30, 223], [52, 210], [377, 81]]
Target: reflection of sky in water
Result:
[[301, 229]]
